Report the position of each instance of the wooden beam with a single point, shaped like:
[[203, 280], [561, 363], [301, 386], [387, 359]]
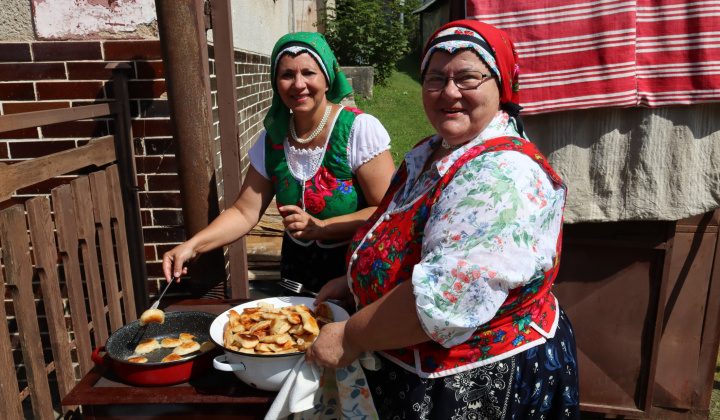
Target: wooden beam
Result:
[[127, 173], [29, 172], [230, 148], [53, 116]]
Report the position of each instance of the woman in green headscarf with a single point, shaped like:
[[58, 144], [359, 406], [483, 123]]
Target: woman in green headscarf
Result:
[[327, 165]]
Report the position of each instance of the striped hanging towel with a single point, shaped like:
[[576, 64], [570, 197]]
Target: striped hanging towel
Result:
[[610, 53]]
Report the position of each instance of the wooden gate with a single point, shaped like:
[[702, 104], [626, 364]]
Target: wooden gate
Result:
[[89, 266]]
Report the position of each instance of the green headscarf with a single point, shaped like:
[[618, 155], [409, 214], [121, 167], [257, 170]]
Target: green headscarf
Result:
[[278, 117]]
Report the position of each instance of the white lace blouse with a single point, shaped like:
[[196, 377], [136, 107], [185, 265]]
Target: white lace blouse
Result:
[[368, 138]]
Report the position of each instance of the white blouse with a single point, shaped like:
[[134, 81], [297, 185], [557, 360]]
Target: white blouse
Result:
[[368, 138]]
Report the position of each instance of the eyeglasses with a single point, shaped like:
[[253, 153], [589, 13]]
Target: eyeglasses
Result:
[[464, 81]]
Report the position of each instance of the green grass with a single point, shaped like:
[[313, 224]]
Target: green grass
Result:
[[399, 108], [715, 397]]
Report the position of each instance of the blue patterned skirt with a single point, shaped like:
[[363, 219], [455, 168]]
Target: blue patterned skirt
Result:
[[540, 383]]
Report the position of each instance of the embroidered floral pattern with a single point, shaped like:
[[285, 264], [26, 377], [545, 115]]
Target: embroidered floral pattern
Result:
[[538, 384], [344, 394], [478, 237], [454, 45], [330, 189]]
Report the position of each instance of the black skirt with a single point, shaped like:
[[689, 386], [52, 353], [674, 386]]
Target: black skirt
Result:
[[540, 383], [311, 265]]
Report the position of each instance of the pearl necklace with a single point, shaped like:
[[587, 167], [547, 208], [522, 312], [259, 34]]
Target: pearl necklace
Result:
[[448, 146], [314, 133]]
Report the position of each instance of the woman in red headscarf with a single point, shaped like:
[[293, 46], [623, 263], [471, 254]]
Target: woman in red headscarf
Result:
[[452, 274]]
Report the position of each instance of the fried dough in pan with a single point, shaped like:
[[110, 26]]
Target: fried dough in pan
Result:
[[170, 342], [171, 357], [152, 315], [147, 346], [187, 348]]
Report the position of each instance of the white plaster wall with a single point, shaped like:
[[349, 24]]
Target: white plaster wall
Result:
[[306, 14], [257, 24], [16, 21], [82, 19]]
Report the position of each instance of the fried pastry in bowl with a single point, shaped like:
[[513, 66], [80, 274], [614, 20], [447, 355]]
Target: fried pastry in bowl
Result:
[[264, 339]]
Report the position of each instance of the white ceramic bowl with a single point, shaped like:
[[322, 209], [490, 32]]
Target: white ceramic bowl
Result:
[[262, 371]]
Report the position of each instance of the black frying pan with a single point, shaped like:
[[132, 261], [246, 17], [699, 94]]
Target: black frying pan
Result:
[[120, 346]]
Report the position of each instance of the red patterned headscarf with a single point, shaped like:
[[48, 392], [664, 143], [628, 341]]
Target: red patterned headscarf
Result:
[[492, 45]]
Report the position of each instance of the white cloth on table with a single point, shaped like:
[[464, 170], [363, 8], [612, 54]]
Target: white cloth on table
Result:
[[298, 391], [315, 393]]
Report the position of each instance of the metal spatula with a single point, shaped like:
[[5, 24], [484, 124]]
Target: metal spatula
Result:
[[157, 302]]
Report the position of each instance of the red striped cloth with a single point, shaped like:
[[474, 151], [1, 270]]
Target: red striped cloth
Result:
[[610, 53]]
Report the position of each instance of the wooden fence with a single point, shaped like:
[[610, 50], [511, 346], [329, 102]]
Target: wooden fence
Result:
[[92, 263]]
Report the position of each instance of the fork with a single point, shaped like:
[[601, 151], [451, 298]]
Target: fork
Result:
[[296, 287]]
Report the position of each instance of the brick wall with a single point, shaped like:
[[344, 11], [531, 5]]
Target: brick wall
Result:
[[49, 75]]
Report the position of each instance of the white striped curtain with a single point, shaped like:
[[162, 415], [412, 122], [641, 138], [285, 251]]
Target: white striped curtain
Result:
[[610, 53]]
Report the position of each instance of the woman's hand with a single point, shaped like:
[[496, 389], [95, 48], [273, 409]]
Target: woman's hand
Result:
[[331, 349], [174, 260], [338, 289], [302, 225]]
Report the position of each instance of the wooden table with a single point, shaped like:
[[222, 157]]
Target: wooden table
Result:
[[215, 394]]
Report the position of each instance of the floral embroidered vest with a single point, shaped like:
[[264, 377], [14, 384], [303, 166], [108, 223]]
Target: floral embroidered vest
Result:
[[333, 190], [387, 247]]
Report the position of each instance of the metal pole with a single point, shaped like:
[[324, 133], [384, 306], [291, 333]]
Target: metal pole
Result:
[[181, 24]]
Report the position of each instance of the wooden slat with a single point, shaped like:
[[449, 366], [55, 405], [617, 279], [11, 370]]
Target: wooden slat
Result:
[[118, 224], [22, 174], [263, 248], [45, 251], [10, 404], [263, 275], [68, 247], [127, 174], [272, 224], [221, 13], [710, 338], [19, 272], [54, 116], [101, 211], [85, 225], [659, 324]]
